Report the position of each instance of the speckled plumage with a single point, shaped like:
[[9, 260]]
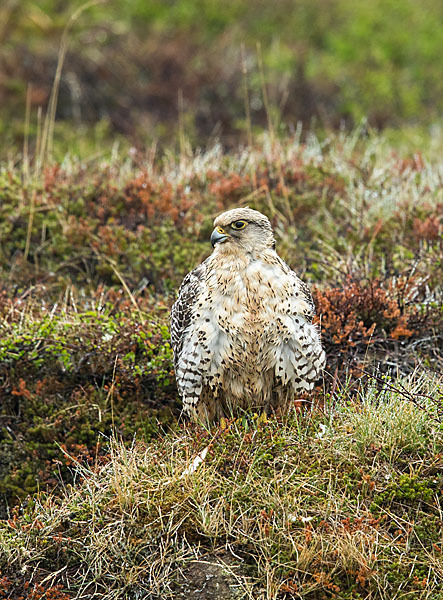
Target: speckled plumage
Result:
[[241, 328]]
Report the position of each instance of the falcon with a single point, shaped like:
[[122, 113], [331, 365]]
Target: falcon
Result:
[[241, 328]]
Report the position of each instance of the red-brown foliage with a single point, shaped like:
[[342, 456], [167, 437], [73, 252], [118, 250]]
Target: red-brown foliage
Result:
[[362, 312], [228, 189], [431, 228], [31, 591], [149, 202], [364, 319]]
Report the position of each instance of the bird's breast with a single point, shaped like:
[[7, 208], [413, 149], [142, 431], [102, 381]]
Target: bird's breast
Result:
[[250, 298]]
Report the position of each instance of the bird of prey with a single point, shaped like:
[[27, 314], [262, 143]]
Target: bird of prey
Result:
[[241, 328]]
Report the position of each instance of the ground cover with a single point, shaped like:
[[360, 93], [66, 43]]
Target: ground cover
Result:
[[341, 501]]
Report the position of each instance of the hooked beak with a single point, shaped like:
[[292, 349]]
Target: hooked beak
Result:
[[218, 235]]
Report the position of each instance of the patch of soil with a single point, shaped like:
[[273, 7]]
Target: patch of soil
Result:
[[210, 577]]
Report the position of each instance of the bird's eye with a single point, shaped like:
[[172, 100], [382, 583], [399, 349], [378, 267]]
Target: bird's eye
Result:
[[238, 225]]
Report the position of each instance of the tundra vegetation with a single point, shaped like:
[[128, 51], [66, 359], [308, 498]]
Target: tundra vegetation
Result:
[[106, 202], [107, 494]]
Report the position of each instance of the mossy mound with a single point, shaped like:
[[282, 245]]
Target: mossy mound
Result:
[[72, 379], [341, 503]]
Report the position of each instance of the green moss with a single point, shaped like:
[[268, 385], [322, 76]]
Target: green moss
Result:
[[407, 489]]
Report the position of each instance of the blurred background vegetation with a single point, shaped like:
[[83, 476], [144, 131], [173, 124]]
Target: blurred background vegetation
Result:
[[149, 71]]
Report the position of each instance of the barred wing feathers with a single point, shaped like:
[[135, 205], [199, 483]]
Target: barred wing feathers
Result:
[[186, 364]]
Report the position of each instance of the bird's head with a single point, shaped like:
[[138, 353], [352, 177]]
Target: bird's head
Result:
[[242, 228]]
